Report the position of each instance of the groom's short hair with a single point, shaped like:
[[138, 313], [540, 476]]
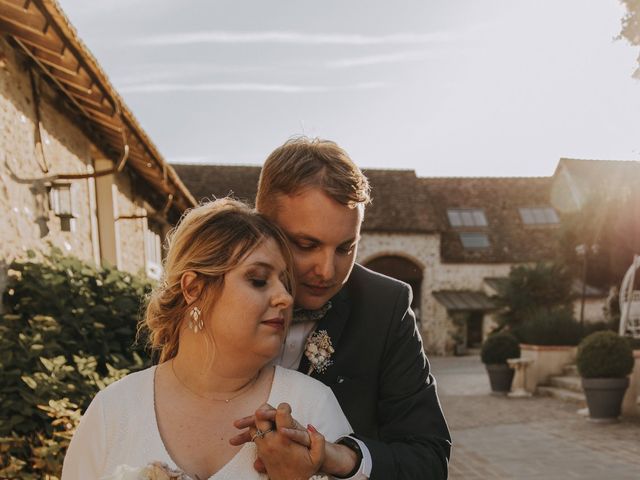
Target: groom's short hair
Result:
[[304, 162]]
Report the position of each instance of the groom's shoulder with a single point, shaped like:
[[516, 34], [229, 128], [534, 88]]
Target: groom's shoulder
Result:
[[367, 281]]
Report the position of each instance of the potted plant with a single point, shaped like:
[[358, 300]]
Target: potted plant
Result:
[[604, 360], [496, 350]]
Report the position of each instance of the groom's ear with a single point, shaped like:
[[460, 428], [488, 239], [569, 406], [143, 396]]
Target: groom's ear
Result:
[[191, 286]]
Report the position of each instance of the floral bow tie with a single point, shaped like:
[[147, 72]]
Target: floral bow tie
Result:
[[300, 315]]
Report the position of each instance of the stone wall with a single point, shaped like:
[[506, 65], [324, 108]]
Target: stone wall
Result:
[[424, 251], [28, 221]]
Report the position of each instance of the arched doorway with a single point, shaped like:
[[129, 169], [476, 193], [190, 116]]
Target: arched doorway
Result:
[[401, 269]]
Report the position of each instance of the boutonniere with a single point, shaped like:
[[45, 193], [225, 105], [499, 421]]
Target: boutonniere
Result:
[[319, 350]]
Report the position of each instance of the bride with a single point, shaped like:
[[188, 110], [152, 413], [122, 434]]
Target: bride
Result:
[[217, 320]]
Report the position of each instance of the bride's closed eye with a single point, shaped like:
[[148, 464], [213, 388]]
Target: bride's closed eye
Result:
[[258, 282]]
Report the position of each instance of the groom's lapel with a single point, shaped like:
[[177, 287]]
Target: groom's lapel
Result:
[[333, 322]]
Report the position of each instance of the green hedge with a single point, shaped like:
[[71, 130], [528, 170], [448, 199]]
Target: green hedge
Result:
[[68, 331], [555, 327]]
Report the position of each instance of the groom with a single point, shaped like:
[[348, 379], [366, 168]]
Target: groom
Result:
[[378, 370]]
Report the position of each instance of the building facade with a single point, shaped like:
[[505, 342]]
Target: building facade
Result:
[[76, 170]]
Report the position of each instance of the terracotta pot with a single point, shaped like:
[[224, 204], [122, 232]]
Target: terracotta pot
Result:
[[604, 397], [500, 377]]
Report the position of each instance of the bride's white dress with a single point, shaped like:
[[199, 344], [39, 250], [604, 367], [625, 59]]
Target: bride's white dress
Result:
[[120, 428]]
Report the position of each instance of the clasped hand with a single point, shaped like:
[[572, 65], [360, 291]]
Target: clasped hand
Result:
[[288, 451]]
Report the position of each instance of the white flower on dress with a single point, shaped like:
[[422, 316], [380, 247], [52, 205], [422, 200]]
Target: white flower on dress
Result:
[[319, 350], [153, 471]]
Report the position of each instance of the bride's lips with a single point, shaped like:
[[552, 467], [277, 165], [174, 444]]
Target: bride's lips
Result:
[[317, 289], [277, 323]]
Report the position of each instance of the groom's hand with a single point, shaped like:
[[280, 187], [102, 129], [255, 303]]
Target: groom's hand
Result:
[[280, 456]]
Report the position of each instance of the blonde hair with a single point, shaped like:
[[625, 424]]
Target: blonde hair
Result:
[[209, 240], [311, 162]]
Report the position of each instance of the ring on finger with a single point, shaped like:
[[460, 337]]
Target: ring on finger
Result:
[[259, 433]]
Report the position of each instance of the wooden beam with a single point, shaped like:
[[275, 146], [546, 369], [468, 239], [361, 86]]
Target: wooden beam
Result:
[[65, 63], [52, 44], [78, 82], [46, 60], [19, 16]]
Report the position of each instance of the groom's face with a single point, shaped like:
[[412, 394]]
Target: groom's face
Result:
[[324, 236]]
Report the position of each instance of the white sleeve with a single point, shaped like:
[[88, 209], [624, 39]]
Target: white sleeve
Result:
[[85, 456], [328, 417]]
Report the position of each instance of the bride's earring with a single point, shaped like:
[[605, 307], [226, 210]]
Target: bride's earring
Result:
[[195, 321]]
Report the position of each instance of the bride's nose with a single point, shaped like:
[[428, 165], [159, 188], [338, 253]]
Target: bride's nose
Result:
[[281, 297]]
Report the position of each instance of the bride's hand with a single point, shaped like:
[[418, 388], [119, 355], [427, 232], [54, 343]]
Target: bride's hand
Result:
[[283, 458]]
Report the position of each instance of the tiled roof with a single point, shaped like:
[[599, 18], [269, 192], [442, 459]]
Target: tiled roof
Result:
[[215, 181], [510, 240], [461, 300], [399, 203], [593, 171]]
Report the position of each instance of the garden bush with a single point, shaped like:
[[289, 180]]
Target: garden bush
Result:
[[604, 355], [68, 331], [555, 327], [544, 287], [498, 348]]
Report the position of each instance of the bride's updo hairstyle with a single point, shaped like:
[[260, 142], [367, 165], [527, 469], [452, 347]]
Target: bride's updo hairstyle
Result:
[[210, 240]]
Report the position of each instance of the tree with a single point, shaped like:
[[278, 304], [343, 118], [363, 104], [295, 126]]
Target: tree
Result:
[[544, 288], [608, 226], [631, 25]]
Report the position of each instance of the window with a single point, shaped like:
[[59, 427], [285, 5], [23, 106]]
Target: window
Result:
[[467, 217], [539, 216], [474, 240], [153, 250]]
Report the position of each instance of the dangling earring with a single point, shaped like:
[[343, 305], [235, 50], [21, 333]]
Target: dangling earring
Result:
[[195, 322]]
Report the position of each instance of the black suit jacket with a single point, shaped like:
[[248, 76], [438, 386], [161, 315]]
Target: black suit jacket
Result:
[[380, 375]]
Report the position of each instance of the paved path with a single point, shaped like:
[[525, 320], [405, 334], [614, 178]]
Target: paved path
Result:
[[536, 438]]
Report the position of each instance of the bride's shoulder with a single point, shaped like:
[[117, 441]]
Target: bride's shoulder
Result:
[[132, 386]]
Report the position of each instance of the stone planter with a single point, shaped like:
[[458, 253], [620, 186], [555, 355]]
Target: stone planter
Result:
[[548, 360], [500, 377], [604, 397], [630, 404]]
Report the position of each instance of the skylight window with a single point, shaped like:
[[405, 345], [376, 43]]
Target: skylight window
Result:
[[467, 217], [539, 216], [474, 240]]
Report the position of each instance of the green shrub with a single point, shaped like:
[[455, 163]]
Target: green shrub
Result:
[[499, 347], [604, 355], [555, 327], [532, 289], [67, 332]]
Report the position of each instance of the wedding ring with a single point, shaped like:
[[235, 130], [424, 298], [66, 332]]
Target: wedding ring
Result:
[[259, 433]]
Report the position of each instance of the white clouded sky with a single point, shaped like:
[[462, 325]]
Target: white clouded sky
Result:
[[445, 87]]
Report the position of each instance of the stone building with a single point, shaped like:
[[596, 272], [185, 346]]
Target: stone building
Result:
[[76, 169], [454, 240]]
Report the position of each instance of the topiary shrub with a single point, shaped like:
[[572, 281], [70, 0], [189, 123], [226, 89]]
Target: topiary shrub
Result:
[[68, 331], [498, 348], [604, 355], [555, 327]]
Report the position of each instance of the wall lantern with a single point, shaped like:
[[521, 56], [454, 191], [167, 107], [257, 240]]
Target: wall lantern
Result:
[[61, 202]]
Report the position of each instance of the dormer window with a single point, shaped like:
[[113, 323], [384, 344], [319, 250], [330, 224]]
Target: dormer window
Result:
[[467, 217], [539, 216], [474, 240]]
